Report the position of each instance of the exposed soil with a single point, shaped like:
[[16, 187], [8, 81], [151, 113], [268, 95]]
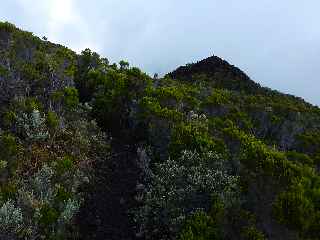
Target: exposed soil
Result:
[[105, 213]]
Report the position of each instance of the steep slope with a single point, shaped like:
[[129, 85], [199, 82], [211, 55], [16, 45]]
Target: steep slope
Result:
[[245, 115], [28, 64], [93, 150], [38, 78], [48, 140], [280, 116]]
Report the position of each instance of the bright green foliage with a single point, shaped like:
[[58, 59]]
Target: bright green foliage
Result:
[[258, 157], [71, 97], [219, 97], [179, 96], [30, 104], [194, 135], [117, 92], [190, 136], [299, 158], [309, 142], [151, 107], [299, 207], [202, 225]]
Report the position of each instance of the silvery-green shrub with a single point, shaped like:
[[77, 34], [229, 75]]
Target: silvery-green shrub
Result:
[[179, 188]]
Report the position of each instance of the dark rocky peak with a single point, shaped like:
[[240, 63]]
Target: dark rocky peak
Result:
[[209, 65], [218, 72]]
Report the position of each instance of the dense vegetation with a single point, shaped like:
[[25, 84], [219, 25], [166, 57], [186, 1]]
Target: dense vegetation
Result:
[[93, 150]]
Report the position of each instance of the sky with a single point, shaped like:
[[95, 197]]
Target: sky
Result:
[[277, 43]]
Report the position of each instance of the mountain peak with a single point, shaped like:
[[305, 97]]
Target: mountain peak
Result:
[[220, 73]]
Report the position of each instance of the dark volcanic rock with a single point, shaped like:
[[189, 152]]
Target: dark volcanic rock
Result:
[[221, 73]]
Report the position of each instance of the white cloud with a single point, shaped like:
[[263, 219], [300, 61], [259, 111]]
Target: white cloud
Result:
[[59, 20], [61, 13]]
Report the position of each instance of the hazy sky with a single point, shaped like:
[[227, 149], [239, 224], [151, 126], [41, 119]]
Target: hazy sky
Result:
[[277, 43]]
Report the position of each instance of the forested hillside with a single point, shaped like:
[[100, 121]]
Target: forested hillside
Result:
[[98, 150]]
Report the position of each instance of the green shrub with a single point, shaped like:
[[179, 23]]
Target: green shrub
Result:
[[8, 27], [179, 188], [52, 120], [32, 104], [194, 135], [9, 151], [262, 159], [219, 97], [32, 126], [71, 97], [62, 194], [299, 157], [200, 226], [3, 71], [299, 206], [8, 191], [48, 216], [9, 146], [57, 96], [309, 142], [151, 107], [9, 118], [30, 73], [241, 118], [64, 165], [124, 65]]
